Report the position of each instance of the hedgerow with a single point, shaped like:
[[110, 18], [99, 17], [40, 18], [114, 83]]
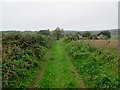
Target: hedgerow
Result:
[[98, 68], [22, 55]]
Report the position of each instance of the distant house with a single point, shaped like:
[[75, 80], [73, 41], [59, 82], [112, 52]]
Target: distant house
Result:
[[101, 37]]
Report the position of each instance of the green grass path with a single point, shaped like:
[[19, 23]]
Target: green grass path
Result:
[[59, 73]]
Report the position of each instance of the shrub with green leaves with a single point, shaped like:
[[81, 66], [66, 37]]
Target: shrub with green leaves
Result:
[[98, 68], [22, 53]]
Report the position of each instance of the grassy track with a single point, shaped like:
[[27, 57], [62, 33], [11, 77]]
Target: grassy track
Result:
[[59, 73]]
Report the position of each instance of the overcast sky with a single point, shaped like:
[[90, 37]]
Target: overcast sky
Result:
[[66, 15]]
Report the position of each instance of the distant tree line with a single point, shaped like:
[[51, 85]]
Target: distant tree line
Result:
[[89, 35]]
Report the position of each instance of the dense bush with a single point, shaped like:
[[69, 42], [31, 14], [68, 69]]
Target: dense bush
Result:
[[22, 54], [98, 68], [69, 37]]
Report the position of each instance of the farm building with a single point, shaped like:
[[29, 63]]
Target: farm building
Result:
[[101, 37]]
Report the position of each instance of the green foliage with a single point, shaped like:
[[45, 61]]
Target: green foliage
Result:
[[106, 33], [86, 34], [22, 53], [57, 33], [98, 68], [114, 37], [94, 36], [69, 37], [45, 32], [78, 33]]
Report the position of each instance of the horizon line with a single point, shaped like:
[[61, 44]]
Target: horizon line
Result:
[[60, 28]]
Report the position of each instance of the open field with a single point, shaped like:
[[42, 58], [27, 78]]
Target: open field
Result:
[[114, 36], [103, 44]]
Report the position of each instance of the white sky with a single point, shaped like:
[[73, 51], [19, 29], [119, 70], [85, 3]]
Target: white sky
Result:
[[72, 15]]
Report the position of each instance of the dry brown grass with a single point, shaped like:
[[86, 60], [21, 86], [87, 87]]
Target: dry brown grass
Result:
[[104, 44]]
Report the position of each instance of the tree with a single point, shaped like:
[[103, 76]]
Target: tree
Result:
[[78, 33], [45, 32], [94, 36], [106, 33], [57, 33], [86, 34]]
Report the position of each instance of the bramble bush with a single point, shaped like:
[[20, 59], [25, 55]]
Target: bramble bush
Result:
[[22, 54]]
